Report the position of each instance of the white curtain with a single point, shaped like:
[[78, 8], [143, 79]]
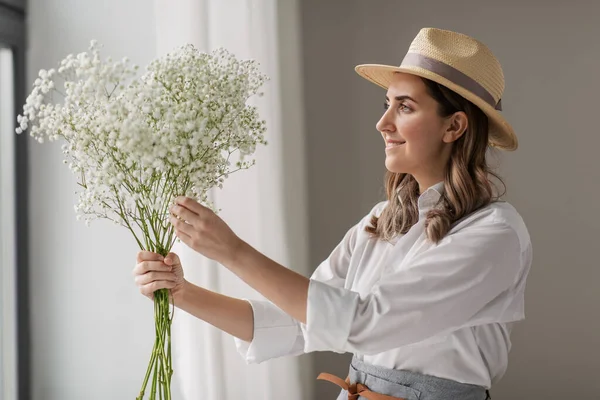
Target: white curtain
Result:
[[265, 205]]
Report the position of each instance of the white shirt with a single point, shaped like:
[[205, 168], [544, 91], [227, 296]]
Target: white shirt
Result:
[[441, 309]]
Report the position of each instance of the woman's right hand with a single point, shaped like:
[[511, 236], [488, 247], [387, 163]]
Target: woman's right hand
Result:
[[152, 272]]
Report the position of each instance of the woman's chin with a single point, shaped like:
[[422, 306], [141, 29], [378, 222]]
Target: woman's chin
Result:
[[395, 167]]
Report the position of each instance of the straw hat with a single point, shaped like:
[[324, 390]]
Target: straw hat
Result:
[[462, 64]]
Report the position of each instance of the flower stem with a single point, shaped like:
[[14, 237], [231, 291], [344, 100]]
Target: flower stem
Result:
[[150, 365], [160, 363], [153, 391]]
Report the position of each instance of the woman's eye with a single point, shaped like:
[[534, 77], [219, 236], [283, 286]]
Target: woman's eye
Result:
[[401, 107]]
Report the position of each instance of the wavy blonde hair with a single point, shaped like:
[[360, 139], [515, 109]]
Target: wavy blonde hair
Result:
[[467, 183]]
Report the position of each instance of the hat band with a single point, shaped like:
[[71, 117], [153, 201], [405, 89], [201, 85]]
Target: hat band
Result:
[[452, 74]]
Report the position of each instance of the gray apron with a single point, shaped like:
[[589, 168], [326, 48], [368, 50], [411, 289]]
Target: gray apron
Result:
[[373, 381]]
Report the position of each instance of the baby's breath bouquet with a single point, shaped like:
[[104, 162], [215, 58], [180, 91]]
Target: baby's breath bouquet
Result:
[[136, 143]]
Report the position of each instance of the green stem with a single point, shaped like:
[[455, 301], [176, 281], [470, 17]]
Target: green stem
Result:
[[154, 382], [148, 371], [124, 217], [160, 366], [160, 381], [161, 362], [163, 317]]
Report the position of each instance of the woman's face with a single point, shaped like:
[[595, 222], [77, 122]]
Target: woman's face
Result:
[[418, 140]]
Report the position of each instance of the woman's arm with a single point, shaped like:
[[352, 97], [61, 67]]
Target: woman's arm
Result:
[[261, 329], [442, 289], [282, 286], [203, 231], [153, 272], [229, 314]]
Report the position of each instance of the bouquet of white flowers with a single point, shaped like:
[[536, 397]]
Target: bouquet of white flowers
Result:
[[137, 143]]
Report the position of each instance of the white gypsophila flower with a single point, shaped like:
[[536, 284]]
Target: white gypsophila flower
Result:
[[136, 143]]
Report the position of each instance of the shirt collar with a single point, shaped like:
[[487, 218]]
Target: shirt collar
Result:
[[429, 198]]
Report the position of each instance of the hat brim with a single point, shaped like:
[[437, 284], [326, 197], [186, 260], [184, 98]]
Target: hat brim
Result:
[[501, 133]]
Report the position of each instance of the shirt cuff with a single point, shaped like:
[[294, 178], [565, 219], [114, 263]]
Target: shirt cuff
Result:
[[329, 315], [275, 333]]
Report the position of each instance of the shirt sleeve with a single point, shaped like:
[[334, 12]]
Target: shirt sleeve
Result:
[[456, 283], [276, 334]]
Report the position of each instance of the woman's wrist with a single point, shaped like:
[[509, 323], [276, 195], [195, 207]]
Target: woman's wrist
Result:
[[237, 255], [178, 295]]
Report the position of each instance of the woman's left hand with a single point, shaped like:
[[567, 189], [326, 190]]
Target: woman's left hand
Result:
[[202, 230]]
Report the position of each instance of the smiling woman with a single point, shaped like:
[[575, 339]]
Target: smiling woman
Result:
[[424, 132], [423, 290]]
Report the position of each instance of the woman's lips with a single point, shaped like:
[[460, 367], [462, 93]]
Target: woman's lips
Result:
[[389, 144]]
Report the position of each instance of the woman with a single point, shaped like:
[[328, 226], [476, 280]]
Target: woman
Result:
[[425, 288]]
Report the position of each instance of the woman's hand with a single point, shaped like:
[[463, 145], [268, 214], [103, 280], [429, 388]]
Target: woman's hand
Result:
[[152, 272], [202, 230]]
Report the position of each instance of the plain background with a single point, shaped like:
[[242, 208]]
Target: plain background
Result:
[[550, 53]]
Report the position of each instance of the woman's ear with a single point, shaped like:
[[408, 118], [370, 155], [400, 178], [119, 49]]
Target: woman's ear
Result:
[[456, 126]]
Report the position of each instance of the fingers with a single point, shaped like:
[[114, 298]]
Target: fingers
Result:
[[184, 213], [152, 272], [150, 288], [148, 256], [154, 276], [180, 225], [148, 266], [190, 204], [184, 237], [172, 259]]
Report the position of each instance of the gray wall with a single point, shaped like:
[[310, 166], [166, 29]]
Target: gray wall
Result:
[[550, 53]]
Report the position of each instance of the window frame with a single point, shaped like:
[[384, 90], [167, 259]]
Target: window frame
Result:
[[13, 36]]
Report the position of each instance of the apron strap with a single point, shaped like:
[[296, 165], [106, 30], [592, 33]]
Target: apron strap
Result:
[[355, 390]]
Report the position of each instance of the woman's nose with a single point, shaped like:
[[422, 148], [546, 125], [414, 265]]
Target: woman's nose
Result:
[[385, 123]]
